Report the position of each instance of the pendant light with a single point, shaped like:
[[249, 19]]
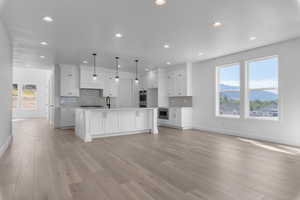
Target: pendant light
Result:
[[117, 70], [94, 74], [136, 72]]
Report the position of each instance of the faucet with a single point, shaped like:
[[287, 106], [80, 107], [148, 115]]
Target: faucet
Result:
[[107, 100]]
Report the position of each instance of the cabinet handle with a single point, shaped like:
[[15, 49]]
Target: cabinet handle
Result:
[[69, 74]]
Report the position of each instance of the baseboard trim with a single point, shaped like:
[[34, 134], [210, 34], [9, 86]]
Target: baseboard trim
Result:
[[248, 135], [4, 147], [122, 133]]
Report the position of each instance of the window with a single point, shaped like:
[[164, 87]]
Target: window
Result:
[[262, 98], [25, 98], [15, 96], [228, 90], [29, 97]]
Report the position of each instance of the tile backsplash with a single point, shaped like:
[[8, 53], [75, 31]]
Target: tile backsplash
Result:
[[91, 97], [186, 101]]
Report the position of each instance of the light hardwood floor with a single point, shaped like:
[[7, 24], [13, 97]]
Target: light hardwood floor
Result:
[[43, 163]]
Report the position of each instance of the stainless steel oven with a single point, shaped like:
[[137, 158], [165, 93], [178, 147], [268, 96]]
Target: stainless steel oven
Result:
[[163, 113], [143, 98]]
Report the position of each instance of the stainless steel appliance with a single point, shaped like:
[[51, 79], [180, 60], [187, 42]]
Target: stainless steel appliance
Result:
[[107, 100], [143, 99], [163, 113]]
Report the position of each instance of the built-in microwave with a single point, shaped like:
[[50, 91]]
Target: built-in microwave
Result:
[[163, 113]]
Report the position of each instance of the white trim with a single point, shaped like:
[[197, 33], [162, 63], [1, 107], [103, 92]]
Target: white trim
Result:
[[247, 134], [217, 89], [264, 118], [121, 134], [229, 116], [4, 146], [248, 90]]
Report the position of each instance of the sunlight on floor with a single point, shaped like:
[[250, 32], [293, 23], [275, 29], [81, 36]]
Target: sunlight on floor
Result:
[[16, 120], [287, 150]]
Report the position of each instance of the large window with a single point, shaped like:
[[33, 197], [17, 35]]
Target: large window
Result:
[[262, 98], [25, 98], [228, 90]]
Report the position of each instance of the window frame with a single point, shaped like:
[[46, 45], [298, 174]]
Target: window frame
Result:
[[248, 90], [217, 91], [20, 97]]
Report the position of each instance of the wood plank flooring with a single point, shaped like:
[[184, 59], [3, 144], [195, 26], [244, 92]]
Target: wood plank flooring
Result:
[[43, 163]]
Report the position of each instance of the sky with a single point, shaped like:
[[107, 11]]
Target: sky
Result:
[[262, 74]]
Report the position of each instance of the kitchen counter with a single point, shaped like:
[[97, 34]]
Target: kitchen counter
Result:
[[113, 109], [103, 122]]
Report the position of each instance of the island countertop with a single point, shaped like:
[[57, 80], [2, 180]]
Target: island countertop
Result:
[[113, 109], [93, 122]]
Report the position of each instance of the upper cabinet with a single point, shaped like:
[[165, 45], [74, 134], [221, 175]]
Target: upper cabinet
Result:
[[152, 79], [110, 86], [179, 81], [69, 81], [86, 78], [149, 80]]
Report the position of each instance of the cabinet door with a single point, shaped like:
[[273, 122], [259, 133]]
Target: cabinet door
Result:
[[142, 120], [152, 79], [171, 84], [110, 87], [112, 122], [87, 81], [97, 123], [180, 83], [127, 120], [175, 116], [67, 117], [69, 81]]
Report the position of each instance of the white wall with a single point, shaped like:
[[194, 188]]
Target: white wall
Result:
[[286, 130], [40, 78], [5, 88]]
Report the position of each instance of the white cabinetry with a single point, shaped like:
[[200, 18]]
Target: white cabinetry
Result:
[[179, 118], [179, 81], [69, 81], [149, 80], [102, 123], [152, 79], [143, 83], [67, 117], [110, 86], [87, 81]]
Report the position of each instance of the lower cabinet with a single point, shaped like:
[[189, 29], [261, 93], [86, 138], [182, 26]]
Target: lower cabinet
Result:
[[179, 118], [67, 117], [116, 122]]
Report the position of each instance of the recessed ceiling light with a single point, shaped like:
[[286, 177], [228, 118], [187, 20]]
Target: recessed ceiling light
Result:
[[44, 43], [166, 46], [42, 57], [118, 35], [85, 62], [47, 19], [160, 2], [252, 38], [217, 24], [200, 54], [168, 63]]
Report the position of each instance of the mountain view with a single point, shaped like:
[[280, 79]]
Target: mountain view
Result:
[[256, 94]]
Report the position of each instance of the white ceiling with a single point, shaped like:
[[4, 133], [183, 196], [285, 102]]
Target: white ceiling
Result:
[[81, 27]]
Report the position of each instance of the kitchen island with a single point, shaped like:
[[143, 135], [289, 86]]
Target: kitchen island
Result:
[[93, 123]]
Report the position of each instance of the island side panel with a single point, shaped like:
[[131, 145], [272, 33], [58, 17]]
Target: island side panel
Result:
[[154, 129]]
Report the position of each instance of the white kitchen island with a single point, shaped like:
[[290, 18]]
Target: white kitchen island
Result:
[[93, 123]]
